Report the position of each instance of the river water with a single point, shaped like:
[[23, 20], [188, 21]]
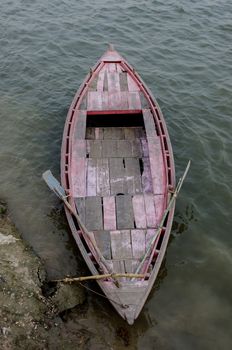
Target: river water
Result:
[[182, 50]]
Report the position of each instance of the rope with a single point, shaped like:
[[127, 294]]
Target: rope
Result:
[[124, 306]]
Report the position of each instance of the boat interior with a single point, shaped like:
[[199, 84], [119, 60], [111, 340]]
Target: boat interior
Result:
[[119, 192]]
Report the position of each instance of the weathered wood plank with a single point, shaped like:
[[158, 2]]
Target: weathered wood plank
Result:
[[104, 243], [91, 183], [90, 133], [127, 250], [144, 101], [123, 81], [113, 82], [98, 133], [118, 267], [124, 212], [129, 293], [122, 251], [147, 185], [109, 148], [139, 211], [78, 171], [109, 211], [94, 101], [156, 165], [132, 85], [138, 243], [124, 100], [129, 133], [80, 126], [93, 213], [140, 132], [83, 103], [78, 168], [115, 100], [144, 144], [150, 210], [121, 244], [149, 235], [159, 207], [111, 67], [103, 177], [124, 148], [119, 68], [105, 100], [132, 175], [110, 264], [80, 206], [149, 123], [132, 133], [136, 148], [100, 81], [113, 133], [78, 149], [117, 174], [94, 148], [135, 264], [134, 100], [93, 84], [116, 249], [105, 83]]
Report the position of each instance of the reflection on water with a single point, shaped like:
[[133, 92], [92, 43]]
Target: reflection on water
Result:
[[57, 216], [182, 220]]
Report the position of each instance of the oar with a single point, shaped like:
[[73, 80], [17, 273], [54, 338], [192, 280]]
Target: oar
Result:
[[55, 186], [170, 204]]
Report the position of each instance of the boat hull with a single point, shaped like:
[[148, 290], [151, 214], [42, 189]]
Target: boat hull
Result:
[[117, 168]]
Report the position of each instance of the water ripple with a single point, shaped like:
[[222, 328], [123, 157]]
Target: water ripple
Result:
[[182, 51]]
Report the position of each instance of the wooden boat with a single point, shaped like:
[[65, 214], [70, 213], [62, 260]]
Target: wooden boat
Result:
[[118, 170]]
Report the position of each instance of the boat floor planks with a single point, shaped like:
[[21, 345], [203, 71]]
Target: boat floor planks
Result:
[[117, 168]]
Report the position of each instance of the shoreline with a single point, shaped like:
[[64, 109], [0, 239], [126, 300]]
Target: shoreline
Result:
[[31, 308], [36, 313]]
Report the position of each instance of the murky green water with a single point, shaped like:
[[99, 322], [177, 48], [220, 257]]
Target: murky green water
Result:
[[183, 52]]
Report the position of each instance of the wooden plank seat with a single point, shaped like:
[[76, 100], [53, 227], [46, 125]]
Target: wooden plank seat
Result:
[[115, 133], [155, 153], [123, 191], [120, 212], [113, 148], [119, 167], [109, 100], [123, 249]]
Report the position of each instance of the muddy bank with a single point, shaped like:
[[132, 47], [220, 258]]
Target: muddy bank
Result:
[[40, 314], [32, 311]]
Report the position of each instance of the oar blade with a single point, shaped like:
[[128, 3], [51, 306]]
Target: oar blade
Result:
[[53, 184]]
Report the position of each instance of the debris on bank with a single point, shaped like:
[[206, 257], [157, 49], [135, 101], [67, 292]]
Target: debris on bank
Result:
[[30, 307]]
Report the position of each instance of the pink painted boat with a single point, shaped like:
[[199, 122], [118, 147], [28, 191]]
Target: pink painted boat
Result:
[[117, 167]]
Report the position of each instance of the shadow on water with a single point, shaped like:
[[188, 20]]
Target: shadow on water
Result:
[[58, 218], [182, 221]]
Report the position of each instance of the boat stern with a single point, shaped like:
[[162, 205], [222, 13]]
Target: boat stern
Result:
[[128, 299]]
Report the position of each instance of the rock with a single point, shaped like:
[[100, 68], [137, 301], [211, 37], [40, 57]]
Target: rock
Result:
[[7, 239], [68, 296], [3, 208]]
